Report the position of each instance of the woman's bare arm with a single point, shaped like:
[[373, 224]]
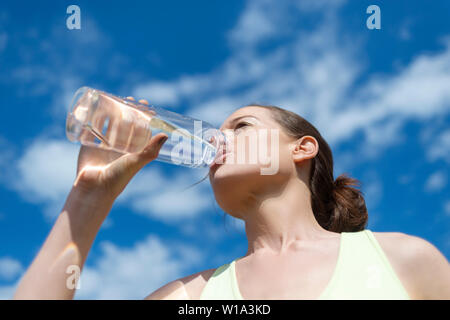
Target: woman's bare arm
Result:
[[101, 176], [56, 268]]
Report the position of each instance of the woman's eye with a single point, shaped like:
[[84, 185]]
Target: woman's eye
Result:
[[240, 125]]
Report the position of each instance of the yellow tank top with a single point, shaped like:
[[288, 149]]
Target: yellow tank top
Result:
[[362, 272]]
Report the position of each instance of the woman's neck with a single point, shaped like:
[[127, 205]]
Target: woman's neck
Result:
[[282, 223]]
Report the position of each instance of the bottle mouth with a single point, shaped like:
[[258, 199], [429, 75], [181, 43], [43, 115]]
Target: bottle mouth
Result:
[[76, 97], [217, 142], [74, 122], [83, 104], [73, 128]]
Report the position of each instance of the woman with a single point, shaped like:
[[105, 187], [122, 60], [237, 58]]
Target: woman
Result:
[[305, 230]]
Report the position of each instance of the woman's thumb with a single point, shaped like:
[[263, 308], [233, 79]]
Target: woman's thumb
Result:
[[151, 151], [136, 161]]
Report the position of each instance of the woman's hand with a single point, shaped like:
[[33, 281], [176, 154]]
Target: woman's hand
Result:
[[106, 173], [101, 177]]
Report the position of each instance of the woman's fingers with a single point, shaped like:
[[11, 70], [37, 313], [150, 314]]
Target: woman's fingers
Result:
[[123, 131], [143, 101], [141, 135], [129, 164]]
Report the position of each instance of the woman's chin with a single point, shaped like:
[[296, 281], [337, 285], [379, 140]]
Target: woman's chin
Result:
[[236, 173]]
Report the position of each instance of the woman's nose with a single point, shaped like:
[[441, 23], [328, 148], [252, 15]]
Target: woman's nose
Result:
[[228, 137]]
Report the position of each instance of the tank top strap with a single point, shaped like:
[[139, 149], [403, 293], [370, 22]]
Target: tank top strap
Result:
[[222, 284], [364, 271]]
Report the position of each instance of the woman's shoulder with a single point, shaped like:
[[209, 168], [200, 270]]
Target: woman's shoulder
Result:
[[405, 246], [405, 249], [186, 288], [418, 263]]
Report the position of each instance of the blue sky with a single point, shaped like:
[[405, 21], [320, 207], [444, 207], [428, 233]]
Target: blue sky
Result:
[[381, 98]]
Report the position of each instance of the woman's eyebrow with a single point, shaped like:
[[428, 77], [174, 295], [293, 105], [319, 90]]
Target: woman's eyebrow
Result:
[[238, 118]]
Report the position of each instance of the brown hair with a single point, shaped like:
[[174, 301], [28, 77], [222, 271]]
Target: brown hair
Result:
[[337, 205]]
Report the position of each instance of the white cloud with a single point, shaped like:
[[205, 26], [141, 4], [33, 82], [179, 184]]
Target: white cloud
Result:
[[66, 66], [405, 179], [261, 20], [215, 110], [133, 273], [48, 167], [7, 292], [372, 188], [9, 268], [6, 156], [447, 208], [405, 32], [172, 204], [420, 91], [157, 93], [210, 231], [308, 76], [315, 5], [45, 173], [254, 25], [380, 136], [436, 181], [163, 197], [123, 272], [213, 231], [439, 146], [313, 72]]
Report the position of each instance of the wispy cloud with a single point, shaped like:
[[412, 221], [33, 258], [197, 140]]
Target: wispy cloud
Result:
[[7, 291], [133, 273], [59, 63], [373, 189], [439, 146], [447, 208], [253, 25], [10, 268], [10, 271], [436, 181], [6, 156], [164, 197], [159, 92], [123, 272], [44, 173], [314, 72], [313, 68]]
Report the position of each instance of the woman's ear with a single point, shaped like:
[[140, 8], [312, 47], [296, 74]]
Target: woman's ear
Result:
[[305, 148]]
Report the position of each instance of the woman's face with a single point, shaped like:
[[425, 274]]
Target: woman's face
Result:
[[257, 158]]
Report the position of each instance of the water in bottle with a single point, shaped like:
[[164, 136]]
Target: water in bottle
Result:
[[100, 119]]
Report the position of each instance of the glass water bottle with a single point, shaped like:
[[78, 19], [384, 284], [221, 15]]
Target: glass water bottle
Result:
[[100, 119]]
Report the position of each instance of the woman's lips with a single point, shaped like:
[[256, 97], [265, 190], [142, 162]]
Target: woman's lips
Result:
[[219, 160]]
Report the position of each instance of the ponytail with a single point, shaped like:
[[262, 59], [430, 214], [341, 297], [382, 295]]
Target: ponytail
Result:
[[350, 212], [338, 206]]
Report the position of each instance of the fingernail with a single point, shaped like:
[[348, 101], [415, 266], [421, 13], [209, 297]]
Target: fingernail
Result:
[[163, 140]]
